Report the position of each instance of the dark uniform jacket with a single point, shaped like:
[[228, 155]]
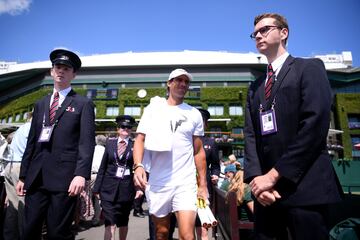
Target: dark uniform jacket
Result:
[[303, 98], [70, 150], [110, 187], [212, 159]]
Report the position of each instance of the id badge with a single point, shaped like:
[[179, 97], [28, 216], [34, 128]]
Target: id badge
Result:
[[120, 172], [268, 122], [45, 134]]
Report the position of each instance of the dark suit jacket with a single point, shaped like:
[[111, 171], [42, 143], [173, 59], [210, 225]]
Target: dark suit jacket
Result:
[[212, 158], [298, 149], [110, 187], [70, 150]]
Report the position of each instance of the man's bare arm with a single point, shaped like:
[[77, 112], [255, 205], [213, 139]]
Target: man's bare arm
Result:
[[200, 163]]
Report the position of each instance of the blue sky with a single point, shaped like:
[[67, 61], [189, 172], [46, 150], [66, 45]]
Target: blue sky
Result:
[[30, 29]]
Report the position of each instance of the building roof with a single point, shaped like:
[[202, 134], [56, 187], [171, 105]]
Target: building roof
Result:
[[17, 78], [149, 59]]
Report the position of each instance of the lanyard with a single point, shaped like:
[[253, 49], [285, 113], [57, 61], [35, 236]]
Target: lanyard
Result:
[[261, 108], [117, 159]]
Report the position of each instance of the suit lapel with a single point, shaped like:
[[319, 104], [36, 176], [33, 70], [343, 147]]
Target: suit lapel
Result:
[[47, 109], [262, 90], [68, 99], [113, 149]]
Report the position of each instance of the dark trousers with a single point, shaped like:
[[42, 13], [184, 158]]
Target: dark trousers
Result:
[[56, 208], [300, 223], [138, 204]]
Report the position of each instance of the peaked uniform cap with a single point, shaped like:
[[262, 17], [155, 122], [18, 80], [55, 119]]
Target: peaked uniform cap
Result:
[[65, 57], [125, 120]]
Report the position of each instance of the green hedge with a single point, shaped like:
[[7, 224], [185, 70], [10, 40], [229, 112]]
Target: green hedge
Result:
[[346, 103], [128, 96]]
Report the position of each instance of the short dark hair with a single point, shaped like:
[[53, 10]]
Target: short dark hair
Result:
[[280, 21]]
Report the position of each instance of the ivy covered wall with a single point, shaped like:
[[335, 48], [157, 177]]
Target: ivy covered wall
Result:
[[224, 96], [345, 104]]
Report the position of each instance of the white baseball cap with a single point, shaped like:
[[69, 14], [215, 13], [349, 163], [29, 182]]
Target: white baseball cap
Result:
[[178, 72]]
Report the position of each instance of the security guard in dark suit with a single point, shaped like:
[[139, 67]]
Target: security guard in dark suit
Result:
[[212, 167], [287, 118], [212, 154], [57, 159], [114, 182]]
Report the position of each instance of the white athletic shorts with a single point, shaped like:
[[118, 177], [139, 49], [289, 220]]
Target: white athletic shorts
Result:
[[163, 200]]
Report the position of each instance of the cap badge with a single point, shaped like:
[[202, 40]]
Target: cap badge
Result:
[[63, 57]]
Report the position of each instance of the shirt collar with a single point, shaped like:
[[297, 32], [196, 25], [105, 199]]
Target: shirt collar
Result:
[[125, 139], [277, 64], [64, 92]]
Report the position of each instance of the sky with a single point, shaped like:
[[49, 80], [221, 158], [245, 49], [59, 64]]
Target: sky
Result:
[[31, 29]]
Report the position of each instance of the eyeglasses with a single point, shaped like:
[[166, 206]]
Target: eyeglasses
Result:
[[264, 31], [125, 127]]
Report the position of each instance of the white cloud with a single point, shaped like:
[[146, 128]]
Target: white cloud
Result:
[[14, 7]]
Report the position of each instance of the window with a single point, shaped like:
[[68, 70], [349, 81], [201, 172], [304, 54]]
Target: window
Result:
[[132, 110], [236, 110], [102, 94], [17, 117], [112, 93], [3, 121], [215, 132], [237, 131], [95, 111], [216, 110], [112, 111], [91, 93], [193, 92], [354, 121], [10, 119], [25, 116]]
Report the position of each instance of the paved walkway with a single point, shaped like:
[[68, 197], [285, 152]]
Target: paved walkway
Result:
[[138, 230]]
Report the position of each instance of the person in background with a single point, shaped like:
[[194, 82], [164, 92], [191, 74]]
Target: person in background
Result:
[[287, 119], [57, 159], [212, 169], [232, 159], [100, 141], [14, 213], [114, 181], [243, 195], [89, 204], [171, 130], [230, 171], [245, 203]]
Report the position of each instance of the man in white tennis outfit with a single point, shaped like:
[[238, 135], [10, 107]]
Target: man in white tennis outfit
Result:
[[170, 131]]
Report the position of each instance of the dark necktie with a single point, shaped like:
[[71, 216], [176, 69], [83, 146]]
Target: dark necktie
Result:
[[54, 107], [269, 82], [121, 148]]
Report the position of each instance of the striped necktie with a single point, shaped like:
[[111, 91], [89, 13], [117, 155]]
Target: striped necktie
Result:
[[54, 107], [121, 148], [269, 82]]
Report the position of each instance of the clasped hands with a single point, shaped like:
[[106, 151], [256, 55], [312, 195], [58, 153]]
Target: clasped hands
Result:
[[263, 188]]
